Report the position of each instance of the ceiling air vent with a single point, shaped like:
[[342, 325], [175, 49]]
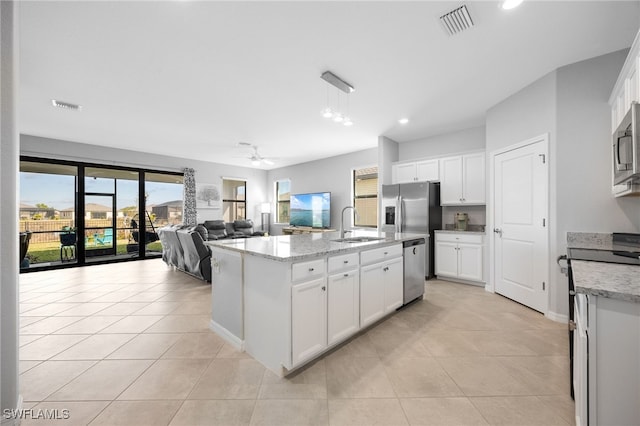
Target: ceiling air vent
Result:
[[457, 20], [66, 105]]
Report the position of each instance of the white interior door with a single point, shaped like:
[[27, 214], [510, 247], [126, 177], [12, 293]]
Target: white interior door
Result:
[[520, 224]]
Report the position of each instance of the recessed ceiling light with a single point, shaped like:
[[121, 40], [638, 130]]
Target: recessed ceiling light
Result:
[[403, 121], [510, 4], [65, 105]]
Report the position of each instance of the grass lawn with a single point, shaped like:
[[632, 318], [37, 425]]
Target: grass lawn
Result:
[[50, 252]]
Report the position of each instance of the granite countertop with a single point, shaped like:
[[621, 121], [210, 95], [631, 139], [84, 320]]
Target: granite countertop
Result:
[[611, 280], [286, 248], [589, 240]]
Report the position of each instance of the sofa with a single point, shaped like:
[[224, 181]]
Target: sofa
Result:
[[220, 230], [183, 247]]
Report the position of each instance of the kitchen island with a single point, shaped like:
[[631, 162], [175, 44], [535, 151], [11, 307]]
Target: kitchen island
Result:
[[285, 300]]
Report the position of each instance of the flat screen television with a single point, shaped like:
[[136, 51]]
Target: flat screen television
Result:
[[313, 209]]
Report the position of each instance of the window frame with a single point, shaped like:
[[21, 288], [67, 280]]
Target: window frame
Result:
[[79, 208], [354, 197], [277, 202], [235, 202]]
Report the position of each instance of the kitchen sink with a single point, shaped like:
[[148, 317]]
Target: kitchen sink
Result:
[[358, 239]]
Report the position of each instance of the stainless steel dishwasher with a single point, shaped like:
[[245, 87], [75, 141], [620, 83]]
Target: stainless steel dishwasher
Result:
[[414, 267]]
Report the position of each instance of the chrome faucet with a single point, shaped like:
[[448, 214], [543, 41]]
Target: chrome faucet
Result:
[[342, 230]]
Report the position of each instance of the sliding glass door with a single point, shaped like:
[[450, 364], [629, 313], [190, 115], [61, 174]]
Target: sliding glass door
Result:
[[78, 213]]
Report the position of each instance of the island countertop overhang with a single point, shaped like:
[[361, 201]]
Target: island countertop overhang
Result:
[[286, 248]]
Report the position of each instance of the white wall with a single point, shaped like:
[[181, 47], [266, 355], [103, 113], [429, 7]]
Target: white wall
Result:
[[9, 382], [327, 175], [570, 104], [206, 172], [472, 139]]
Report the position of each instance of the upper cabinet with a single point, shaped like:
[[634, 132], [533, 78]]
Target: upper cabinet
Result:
[[625, 91], [462, 180], [417, 171]]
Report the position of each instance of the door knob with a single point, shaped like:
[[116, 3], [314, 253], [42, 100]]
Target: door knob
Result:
[[498, 231]]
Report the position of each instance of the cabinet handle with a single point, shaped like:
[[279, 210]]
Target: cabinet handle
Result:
[[386, 253], [386, 269], [346, 275], [310, 269], [346, 261], [324, 288]]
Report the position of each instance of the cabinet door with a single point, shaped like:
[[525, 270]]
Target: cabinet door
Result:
[[470, 261], [371, 294], [343, 305], [473, 179], [405, 172], [393, 284], [428, 170], [446, 259], [308, 319], [451, 180]]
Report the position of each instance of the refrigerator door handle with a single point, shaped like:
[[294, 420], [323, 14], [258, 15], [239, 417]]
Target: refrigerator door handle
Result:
[[399, 215]]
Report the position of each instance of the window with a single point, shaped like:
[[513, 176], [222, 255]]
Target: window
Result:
[[78, 213], [234, 199], [283, 194], [365, 196]]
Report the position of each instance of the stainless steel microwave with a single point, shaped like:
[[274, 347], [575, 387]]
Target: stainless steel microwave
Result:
[[626, 147]]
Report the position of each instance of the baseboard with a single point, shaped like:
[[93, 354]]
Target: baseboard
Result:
[[460, 281], [554, 316], [13, 420], [230, 338]]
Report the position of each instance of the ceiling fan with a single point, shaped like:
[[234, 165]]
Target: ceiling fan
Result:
[[254, 156]]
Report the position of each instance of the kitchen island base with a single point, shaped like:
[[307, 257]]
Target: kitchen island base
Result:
[[286, 313]]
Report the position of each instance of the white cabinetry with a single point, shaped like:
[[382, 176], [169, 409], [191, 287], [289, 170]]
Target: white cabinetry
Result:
[[324, 310], [625, 91], [308, 319], [462, 180], [459, 255], [607, 361], [343, 303], [418, 171], [308, 310], [380, 283]]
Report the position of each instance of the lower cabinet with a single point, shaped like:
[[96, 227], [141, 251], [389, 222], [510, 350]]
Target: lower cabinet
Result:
[[606, 365], [343, 306], [459, 256], [308, 319], [324, 311], [332, 299], [380, 289]]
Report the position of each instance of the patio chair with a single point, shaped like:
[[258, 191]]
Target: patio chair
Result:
[[107, 238]]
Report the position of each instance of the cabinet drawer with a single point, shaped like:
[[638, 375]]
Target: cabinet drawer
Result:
[[459, 238], [337, 263], [304, 270], [380, 254]]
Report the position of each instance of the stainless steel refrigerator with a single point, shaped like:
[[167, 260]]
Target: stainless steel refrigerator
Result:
[[413, 207]]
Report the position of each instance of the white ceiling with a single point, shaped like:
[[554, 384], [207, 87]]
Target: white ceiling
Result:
[[192, 79]]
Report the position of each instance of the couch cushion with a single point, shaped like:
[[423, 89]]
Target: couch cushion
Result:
[[204, 233], [216, 229], [244, 226]]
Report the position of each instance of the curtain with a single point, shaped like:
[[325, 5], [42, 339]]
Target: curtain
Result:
[[189, 213]]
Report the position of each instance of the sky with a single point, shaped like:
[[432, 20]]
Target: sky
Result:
[[58, 191]]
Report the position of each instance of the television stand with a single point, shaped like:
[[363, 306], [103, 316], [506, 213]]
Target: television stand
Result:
[[292, 230]]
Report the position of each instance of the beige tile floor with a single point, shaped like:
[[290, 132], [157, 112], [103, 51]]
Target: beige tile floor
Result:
[[129, 344]]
